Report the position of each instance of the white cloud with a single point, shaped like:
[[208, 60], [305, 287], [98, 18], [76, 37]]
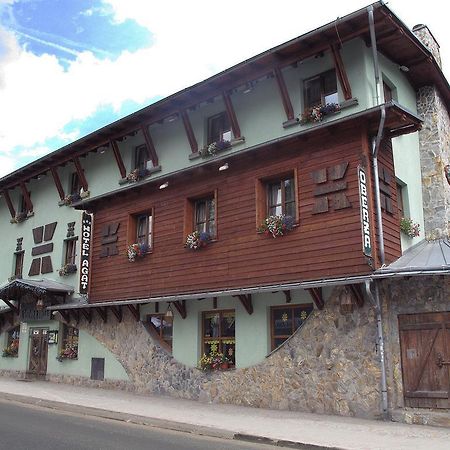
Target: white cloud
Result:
[[192, 40], [7, 165]]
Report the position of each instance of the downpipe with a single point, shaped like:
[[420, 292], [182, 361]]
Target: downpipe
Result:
[[375, 300]]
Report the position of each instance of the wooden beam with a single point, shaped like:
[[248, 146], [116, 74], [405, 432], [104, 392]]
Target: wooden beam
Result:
[[231, 115], [189, 132], [316, 294], [181, 308], [214, 302], [9, 204], [357, 294], [135, 311], [65, 315], [56, 179], [87, 313], [76, 315], [246, 301], [14, 308], [117, 311], [80, 172], [103, 313], [150, 145], [11, 317], [26, 196], [287, 294], [118, 158], [287, 104], [341, 72]]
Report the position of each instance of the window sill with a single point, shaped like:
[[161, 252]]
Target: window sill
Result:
[[342, 105], [151, 171], [69, 202], [233, 143], [21, 218]]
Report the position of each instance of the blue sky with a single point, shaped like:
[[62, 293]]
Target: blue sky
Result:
[[69, 67]]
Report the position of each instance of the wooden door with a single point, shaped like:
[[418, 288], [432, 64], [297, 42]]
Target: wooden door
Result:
[[425, 352], [38, 351]]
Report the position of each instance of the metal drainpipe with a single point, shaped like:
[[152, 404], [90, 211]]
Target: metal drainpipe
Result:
[[375, 300]]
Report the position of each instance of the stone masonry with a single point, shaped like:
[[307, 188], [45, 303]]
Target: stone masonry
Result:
[[329, 366], [434, 141]]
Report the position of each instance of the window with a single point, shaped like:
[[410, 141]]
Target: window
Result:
[[277, 195], [205, 216], [387, 92], [401, 211], [75, 185], [142, 159], [22, 205], [219, 128], [18, 264], [69, 343], [140, 229], [321, 89], [219, 334], [162, 327], [285, 320], [12, 342], [70, 251]]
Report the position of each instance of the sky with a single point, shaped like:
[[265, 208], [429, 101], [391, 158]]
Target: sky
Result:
[[69, 67]]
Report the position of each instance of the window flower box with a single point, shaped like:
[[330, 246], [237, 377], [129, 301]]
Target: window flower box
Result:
[[214, 148], [69, 352], [213, 361], [409, 228], [276, 226], [137, 175], [67, 269], [136, 250], [317, 113], [197, 240], [19, 217], [12, 351]]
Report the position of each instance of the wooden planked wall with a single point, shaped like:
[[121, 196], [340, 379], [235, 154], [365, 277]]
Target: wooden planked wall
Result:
[[323, 245]]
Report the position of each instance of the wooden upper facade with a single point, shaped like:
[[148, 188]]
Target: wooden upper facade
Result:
[[257, 107]]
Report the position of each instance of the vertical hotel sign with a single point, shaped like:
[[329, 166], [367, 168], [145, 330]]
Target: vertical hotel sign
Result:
[[365, 216], [86, 236]]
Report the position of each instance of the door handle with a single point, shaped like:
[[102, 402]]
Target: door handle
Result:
[[441, 362]]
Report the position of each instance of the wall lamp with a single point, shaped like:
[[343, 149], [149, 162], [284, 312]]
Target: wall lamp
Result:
[[164, 185], [225, 166], [248, 87], [404, 68]]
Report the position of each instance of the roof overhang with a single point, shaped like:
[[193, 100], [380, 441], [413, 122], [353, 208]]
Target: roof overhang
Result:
[[394, 39], [399, 121], [15, 289]]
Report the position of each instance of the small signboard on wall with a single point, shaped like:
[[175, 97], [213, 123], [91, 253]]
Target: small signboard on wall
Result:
[[365, 213], [53, 337], [86, 237]]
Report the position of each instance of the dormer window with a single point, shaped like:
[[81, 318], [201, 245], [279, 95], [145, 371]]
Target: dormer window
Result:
[[142, 159], [321, 89], [219, 128]]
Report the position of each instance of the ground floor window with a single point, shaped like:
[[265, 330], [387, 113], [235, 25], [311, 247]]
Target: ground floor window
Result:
[[218, 334], [162, 327], [69, 343], [12, 342], [285, 320]]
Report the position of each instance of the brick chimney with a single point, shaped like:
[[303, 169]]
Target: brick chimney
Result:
[[434, 139]]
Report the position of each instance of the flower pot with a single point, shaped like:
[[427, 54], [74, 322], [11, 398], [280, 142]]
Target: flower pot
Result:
[[224, 366]]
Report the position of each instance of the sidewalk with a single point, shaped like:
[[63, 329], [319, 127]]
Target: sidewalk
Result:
[[283, 428]]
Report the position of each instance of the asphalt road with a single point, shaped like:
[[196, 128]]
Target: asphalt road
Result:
[[24, 427]]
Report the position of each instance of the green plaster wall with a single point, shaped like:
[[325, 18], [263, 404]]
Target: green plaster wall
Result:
[[252, 332], [88, 347]]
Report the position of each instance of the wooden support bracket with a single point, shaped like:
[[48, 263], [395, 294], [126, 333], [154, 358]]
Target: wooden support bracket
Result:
[[76, 315], [8, 201], [103, 313], [57, 180], [231, 115], [65, 315], [246, 301], [118, 158], [150, 146], [80, 172], [189, 132], [11, 318], [341, 73], [181, 308], [357, 294], [87, 313], [287, 294], [316, 294], [287, 104], [26, 197], [135, 311], [14, 308], [117, 311]]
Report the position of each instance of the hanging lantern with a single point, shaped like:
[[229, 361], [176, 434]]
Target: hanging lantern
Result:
[[346, 303], [169, 312], [40, 304]]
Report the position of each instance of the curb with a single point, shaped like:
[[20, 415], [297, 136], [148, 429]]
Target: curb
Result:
[[158, 423]]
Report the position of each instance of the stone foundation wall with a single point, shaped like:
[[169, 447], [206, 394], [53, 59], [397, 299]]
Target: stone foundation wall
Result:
[[329, 366], [407, 296]]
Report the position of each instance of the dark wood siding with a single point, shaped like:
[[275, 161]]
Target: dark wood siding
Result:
[[323, 245]]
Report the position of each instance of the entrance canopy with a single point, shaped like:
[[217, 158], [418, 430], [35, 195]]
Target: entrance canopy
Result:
[[17, 288]]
